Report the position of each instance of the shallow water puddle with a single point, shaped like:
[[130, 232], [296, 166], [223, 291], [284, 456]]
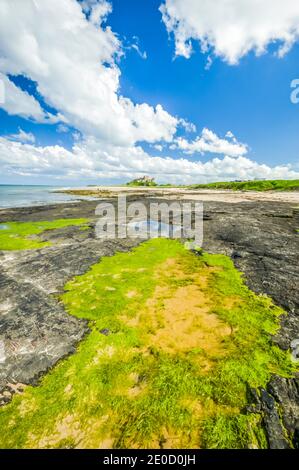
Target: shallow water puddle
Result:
[[155, 228]]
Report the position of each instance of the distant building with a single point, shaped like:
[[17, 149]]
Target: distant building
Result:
[[143, 181]]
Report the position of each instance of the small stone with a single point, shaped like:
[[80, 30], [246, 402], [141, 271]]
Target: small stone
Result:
[[105, 332]]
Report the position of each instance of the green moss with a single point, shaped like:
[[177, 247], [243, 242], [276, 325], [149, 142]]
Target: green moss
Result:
[[226, 432], [128, 390], [16, 235]]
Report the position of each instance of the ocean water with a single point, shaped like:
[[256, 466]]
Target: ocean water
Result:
[[24, 196]]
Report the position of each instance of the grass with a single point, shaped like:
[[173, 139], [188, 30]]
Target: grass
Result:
[[146, 184], [175, 341], [269, 185], [138, 184], [17, 235]]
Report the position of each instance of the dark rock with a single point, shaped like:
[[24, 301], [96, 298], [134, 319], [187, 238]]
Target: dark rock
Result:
[[276, 435], [286, 395], [236, 254], [37, 332], [105, 332]]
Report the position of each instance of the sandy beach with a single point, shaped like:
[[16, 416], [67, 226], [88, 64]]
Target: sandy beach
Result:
[[229, 196]]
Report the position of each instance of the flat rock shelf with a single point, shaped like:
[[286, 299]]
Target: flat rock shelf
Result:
[[39, 328]]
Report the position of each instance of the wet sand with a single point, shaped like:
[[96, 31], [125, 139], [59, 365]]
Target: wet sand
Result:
[[228, 196]]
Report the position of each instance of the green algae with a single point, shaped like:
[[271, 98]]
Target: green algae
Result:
[[128, 385]]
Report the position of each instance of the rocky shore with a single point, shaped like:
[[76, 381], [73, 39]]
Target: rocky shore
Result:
[[260, 236]]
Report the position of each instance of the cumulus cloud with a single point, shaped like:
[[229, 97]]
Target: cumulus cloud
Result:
[[97, 11], [210, 142], [89, 161], [150, 124], [19, 102], [67, 49], [72, 56], [232, 28]]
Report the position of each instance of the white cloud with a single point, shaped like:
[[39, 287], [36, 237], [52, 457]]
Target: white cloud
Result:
[[73, 61], [210, 142], [90, 161], [232, 28], [229, 134], [188, 126], [143, 54], [150, 124], [22, 136], [19, 102], [73, 58], [97, 10], [62, 129]]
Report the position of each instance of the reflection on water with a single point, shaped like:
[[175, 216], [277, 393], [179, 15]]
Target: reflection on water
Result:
[[155, 228]]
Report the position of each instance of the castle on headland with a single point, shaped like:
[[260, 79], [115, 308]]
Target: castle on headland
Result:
[[142, 181], [145, 180]]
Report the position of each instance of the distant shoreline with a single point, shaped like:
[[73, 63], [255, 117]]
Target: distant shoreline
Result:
[[18, 196], [221, 195]]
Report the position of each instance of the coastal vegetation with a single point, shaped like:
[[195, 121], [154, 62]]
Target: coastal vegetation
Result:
[[176, 342], [24, 235], [266, 185], [145, 181]]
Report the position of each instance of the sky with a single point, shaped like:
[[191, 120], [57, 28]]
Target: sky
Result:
[[186, 91]]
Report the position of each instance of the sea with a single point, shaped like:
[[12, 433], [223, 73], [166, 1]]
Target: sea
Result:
[[24, 196]]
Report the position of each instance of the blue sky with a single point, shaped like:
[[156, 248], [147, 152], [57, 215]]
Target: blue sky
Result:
[[239, 92], [252, 99]]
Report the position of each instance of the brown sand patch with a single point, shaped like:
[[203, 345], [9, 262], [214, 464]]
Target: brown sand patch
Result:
[[105, 353], [187, 323], [131, 294], [107, 443], [68, 389], [178, 319], [67, 429], [26, 406], [69, 432]]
